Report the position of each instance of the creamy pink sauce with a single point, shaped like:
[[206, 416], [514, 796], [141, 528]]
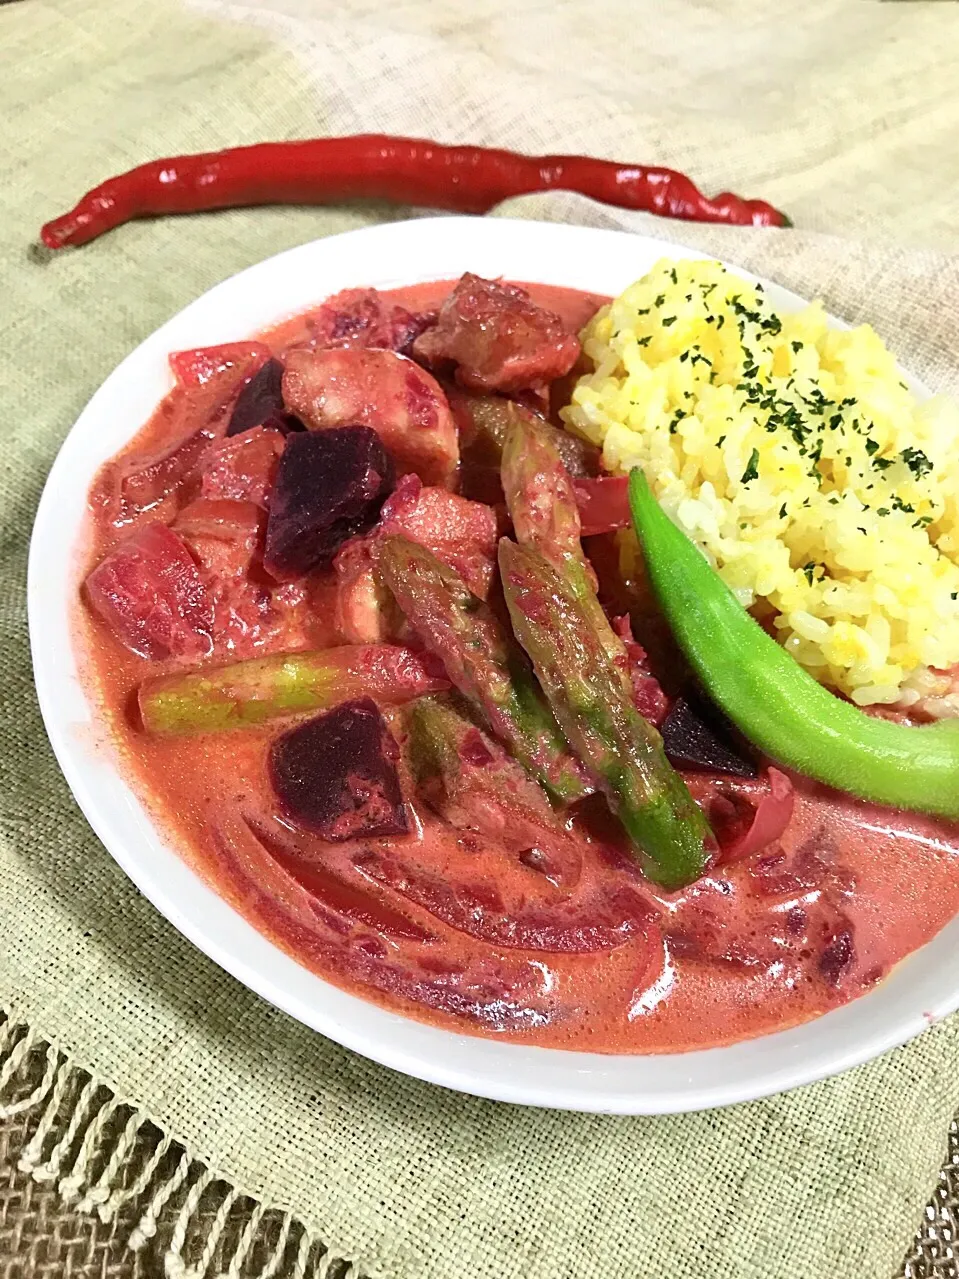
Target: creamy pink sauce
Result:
[[773, 941]]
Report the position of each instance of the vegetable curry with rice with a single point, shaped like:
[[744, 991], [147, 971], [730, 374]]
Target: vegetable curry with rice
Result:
[[465, 722]]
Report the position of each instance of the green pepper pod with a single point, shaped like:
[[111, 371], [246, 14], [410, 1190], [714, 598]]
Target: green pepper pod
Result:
[[773, 700]]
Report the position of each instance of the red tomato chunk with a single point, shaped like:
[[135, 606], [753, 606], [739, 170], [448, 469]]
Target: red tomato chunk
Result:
[[243, 467], [149, 593], [227, 364]]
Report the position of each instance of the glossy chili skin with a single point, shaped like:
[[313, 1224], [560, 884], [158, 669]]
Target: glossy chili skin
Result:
[[373, 166], [773, 700]]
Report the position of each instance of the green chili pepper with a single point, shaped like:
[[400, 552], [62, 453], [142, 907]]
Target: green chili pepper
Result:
[[773, 700]]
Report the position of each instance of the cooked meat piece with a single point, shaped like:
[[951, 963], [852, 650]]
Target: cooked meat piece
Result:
[[381, 390], [360, 317], [498, 338]]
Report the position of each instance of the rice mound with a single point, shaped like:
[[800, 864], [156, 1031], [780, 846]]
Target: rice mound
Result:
[[797, 459]]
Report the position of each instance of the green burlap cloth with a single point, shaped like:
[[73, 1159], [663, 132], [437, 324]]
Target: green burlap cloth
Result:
[[406, 1180]]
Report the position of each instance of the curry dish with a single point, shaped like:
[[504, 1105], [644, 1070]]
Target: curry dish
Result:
[[442, 701]]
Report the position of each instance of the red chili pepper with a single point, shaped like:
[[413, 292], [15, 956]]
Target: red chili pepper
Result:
[[373, 166]]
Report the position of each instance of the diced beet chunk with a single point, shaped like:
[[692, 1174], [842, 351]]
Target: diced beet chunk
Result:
[[839, 953], [330, 485], [260, 403], [498, 338], [336, 774], [149, 593], [690, 741]]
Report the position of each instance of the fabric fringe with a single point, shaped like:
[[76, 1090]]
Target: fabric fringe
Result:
[[95, 1148]]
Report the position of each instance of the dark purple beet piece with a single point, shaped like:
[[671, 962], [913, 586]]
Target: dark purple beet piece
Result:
[[691, 742], [839, 953], [336, 774], [329, 486], [260, 403]]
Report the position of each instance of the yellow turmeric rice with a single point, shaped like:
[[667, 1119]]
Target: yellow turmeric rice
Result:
[[798, 460]]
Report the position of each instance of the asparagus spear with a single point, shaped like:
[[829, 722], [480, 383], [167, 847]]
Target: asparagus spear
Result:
[[489, 670], [214, 698], [542, 505], [669, 834], [470, 779], [484, 420]]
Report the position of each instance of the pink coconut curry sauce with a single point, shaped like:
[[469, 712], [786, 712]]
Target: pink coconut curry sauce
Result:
[[486, 910]]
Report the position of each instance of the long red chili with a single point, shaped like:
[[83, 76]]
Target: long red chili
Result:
[[373, 166]]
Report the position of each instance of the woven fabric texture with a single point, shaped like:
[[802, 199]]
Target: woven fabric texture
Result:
[[410, 1181]]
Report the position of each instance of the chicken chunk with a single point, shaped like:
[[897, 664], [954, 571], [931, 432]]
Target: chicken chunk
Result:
[[353, 386]]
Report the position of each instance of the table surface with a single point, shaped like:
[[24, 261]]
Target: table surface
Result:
[[43, 1238]]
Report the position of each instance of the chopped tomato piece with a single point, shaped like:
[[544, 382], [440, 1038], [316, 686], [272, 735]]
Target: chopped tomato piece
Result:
[[228, 363], [196, 412], [148, 591], [225, 519], [771, 816], [498, 338], [250, 613], [746, 815], [603, 503], [144, 488], [242, 467], [353, 386], [648, 696], [224, 536]]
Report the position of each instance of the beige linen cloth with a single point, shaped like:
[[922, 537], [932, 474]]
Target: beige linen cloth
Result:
[[845, 115]]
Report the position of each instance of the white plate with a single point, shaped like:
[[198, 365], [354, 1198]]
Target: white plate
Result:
[[923, 989]]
